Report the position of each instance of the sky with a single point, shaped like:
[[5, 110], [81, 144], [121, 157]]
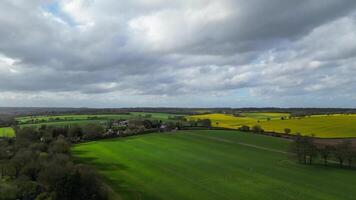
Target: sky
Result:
[[178, 53]]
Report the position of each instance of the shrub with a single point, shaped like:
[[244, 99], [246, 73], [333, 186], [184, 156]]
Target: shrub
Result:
[[244, 128], [287, 131], [257, 129]]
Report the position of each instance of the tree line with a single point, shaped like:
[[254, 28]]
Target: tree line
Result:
[[306, 151], [38, 165], [6, 121]]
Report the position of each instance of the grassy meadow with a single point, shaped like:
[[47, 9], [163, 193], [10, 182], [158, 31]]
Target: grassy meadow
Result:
[[7, 132], [264, 116], [50, 119], [102, 117], [211, 165], [63, 120], [322, 126]]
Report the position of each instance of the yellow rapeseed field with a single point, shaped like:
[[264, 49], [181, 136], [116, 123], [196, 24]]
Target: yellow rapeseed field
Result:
[[224, 120], [323, 126]]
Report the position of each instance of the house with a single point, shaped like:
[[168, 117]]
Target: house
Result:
[[121, 123], [163, 128], [109, 132]]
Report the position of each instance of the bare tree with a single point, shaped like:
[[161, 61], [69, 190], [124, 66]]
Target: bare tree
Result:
[[325, 153], [342, 151], [304, 148]]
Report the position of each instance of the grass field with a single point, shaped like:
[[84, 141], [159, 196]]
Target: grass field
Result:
[[265, 116], [7, 132], [211, 165], [70, 118], [65, 123], [63, 120], [323, 126]]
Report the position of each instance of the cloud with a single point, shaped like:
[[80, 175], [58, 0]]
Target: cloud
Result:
[[155, 53]]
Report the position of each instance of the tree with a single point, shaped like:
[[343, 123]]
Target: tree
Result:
[[31, 170], [6, 121], [61, 145], [21, 158], [257, 129], [244, 128], [92, 131], [27, 190], [72, 182], [75, 132], [304, 148], [43, 169], [350, 156], [297, 148], [27, 135], [4, 157], [57, 131], [312, 150], [147, 124], [54, 176], [325, 153], [342, 151], [287, 130], [205, 123], [91, 185]]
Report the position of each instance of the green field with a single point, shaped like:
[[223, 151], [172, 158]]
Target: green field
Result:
[[65, 123], [7, 132], [63, 120], [264, 115], [77, 118], [211, 165], [322, 126], [31, 119]]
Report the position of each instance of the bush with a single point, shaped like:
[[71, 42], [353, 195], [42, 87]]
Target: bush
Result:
[[75, 132], [257, 129], [244, 128], [92, 131], [287, 131], [204, 123]]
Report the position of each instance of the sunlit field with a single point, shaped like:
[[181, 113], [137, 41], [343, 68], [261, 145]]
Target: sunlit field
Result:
[[7, 132], [211, 165], [71, 118], [225, 121], [265, 116], [323, 126]]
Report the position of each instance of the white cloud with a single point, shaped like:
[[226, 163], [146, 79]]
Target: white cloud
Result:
[[158, 53]]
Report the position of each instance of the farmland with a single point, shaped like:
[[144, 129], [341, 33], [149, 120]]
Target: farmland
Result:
[[225, 121], [7, 132], [85, 118], [211, 165], [334, 126], [323, 126], [64, 120]]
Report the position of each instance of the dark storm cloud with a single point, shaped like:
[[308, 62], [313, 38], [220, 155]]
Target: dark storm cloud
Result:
[[200, 47]]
